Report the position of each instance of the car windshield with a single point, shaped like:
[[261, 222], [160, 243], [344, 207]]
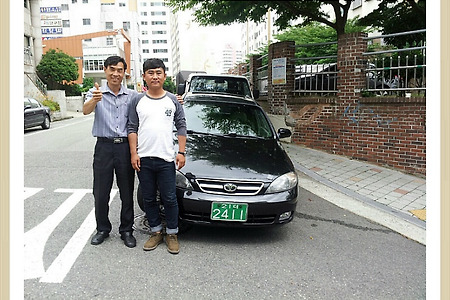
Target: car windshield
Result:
[[224, 85], [222, 118]]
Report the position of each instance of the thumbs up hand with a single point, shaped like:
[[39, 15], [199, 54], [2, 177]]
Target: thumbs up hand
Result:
[[96, 94]]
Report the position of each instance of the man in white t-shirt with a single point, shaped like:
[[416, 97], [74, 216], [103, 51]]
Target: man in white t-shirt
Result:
[[151, 116]]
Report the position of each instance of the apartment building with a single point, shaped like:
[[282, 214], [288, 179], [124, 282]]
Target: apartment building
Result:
[[141, 25]]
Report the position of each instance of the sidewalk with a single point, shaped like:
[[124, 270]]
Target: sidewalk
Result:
[[386, 196]]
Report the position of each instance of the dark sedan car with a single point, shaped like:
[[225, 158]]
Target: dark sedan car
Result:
[[35, 114], [237, 172]]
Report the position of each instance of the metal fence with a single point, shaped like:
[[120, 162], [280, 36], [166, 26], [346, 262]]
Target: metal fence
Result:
[[399, 71], [316, 74]]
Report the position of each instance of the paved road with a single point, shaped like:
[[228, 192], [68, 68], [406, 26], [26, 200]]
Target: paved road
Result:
[[326, 252]]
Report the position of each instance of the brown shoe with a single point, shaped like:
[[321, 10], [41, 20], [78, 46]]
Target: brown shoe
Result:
[[153, 242], [172, 243]]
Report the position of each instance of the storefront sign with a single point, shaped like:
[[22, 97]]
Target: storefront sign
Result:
[[53, 9], [51, 23], [50, 30]]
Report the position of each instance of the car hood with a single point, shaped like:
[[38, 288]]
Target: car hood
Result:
[[212, 156]]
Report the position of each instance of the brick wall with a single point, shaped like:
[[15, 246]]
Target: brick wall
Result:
[[387, 131]]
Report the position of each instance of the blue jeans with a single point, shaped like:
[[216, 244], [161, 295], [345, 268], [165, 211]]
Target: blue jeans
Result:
[[158, 174]]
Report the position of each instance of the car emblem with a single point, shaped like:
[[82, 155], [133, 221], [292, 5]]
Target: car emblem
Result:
[[230, 187]]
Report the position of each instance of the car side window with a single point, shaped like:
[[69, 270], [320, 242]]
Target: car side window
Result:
[[26, 102], [34, 103]]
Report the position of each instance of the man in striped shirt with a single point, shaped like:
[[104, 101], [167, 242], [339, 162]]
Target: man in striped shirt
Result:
[[112, 152]]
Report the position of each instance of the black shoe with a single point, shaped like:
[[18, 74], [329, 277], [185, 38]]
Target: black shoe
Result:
[[99, 237], [128, 239]]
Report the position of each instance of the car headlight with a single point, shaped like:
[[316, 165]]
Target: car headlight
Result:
[[182, 181], [283, 183]]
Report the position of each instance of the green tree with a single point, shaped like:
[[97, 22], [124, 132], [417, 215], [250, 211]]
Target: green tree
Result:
[[169, 85], [57, 68], [88, 82], [311, 34], [210, 12], [393, 16]]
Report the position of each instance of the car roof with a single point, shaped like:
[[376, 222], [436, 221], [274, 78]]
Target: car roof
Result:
[[220, 98], [217, 75]]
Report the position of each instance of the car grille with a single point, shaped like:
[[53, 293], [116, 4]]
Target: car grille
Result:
[[252, 220], [230, 187]]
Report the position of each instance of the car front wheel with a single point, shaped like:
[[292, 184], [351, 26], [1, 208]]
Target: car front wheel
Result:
[[46, 124]]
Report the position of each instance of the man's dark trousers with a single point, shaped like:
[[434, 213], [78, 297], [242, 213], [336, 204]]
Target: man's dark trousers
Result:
[[110, 158]]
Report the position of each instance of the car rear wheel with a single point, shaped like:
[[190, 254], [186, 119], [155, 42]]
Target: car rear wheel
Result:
[[182, 226], [46, 124]]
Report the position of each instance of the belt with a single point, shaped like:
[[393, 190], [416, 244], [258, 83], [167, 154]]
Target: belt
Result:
[[116, 140]]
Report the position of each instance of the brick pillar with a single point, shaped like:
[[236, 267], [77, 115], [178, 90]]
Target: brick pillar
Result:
[[255, 63], [351, 64], [278, 93]]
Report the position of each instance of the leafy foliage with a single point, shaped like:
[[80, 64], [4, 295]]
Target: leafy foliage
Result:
[[210, 12], [88, 82], [169, 85], [393, 16], [53, 105], [311, 34], [56, 68]]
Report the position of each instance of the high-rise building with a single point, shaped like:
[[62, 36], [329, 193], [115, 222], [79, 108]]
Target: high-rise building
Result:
[[154, 31], [145, 23]]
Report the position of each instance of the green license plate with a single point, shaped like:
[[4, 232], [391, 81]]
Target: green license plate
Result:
[[229, 211]]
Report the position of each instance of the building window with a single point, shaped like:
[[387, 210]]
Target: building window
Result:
[[122, 4], [93, 65], [159, 32], [144, 32], [144, 41], [144, 23], [159, 41], [143, 3], [356, 4], [85, 1], [126, 25], [66, 23], [143, 13], [160, 51], [86, 21], [25, 4], [109, 25], [158, 13], [158, 22], [64, 6], [145, 51], [109, 41], [157, 4], [74, 1]]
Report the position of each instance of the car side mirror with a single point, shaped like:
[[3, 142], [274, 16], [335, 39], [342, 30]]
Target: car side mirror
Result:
[[180, 88], [256, 94], [284, 133]]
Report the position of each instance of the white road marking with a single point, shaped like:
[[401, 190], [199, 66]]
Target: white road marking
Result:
[[65, 260], [36, 238], [28, 192]]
